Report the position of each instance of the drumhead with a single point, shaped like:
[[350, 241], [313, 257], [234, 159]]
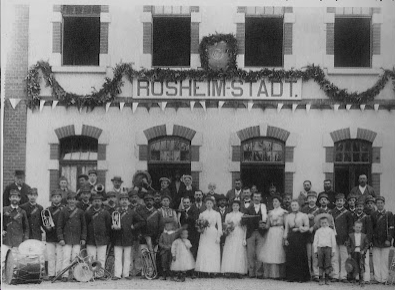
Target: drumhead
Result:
[[32, 247]]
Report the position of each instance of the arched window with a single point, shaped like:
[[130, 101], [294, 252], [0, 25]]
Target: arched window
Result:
[[263, 163], [78, 155], [166, 155], [353, 157]]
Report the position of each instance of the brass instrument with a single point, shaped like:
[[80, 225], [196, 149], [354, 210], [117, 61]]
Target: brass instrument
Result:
[[47, 219], [149, 264], [116, 219], [99, 188]]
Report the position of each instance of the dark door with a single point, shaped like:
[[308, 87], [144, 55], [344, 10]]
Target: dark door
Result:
[[166, 170], [263, 176], [346, 176]]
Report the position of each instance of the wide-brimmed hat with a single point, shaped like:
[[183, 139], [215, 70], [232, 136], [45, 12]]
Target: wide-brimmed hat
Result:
[[351, 265], [164, 179], [117, 178]]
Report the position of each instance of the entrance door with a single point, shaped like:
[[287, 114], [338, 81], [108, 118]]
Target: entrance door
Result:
[[346, 177], [263, 176]]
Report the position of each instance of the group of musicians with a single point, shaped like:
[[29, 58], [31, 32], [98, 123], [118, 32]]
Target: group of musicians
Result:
[[117, 222]]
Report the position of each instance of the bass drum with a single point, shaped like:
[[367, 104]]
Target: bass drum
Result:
[[23, 269]]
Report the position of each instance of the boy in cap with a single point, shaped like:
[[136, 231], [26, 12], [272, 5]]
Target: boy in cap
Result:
[[54, 249], [343, 224], [357, 246], [351, 203], [124, 236], [15, 225], [33, 213], [324, 249], [18, 184], [71, 231], [323, 201], [85, 201], [383, 230], [370, 205], [311, 209], [98, 223]]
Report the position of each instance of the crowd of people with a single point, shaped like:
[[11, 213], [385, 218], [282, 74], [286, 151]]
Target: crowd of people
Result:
[[244, 232]]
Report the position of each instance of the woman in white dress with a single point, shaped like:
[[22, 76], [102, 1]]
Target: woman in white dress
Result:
[[208, 259], [234, 258], [272, 253]]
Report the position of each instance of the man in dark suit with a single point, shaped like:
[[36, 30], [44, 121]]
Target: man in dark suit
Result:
[[246, 200], [329, 192], [188, 216], [18, 184], [198, 204], [188, 190], [363, 189], [33, 214], [223, 210], [176, 188], [235, 193]]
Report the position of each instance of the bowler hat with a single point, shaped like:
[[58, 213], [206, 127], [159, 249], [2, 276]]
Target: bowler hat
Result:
[[380, 197], [117, 178], [32, 191], [164, 179], [15, 192], [19, 173], [351, 265], [339, 196]]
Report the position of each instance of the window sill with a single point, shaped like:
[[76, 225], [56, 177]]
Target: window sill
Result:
[[354, 71], [79, 69]]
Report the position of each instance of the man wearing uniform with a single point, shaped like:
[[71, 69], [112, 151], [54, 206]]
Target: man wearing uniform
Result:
[[370, 205], [82, 182], [85, 201], [92, 175], [351, 203], [329, 193], [117, 183], [112, 202], [15, 225], [63, 186], [20, 185], [54, 249], [33, 213]]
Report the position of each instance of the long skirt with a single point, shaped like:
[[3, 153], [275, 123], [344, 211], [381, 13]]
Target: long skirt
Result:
[[297, 267]]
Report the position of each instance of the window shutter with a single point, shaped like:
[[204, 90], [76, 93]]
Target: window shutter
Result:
[[194, 37], [329, 154], [53, 181], [376, 154], [376, 37], [376, 182], [195, 153], [147, 38], [57, 37], [289, 154], [235, 175], [288, 38], [101, 151], [143, 152], [104, 37], [54, 151], [240, 37], [236, 154], [330, 38], [101, 176], [195, 179], [289, 182]]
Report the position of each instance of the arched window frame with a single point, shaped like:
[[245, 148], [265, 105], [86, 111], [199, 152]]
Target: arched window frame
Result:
[[169, 139], [264, 139]]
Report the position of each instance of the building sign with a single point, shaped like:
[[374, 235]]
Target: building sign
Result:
[[218, 89]]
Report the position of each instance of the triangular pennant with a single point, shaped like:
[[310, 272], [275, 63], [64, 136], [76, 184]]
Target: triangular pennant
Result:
[[80, 109], [249, 106], [54, 104], [308, 107], [336, 107], [362, 107], [348, 107], [376, 107], [14, 102], [220, 104], [42, 103], [134, 106], [163, 105], [192, 104], [294, 106], [203, 103], [108, 104], [121, 105], [279, 107]]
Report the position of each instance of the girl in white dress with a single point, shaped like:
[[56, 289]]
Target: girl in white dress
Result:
[[182, 257], [272, 253], [208, 259], [234, 258]]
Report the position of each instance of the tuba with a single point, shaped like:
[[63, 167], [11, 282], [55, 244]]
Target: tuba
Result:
[[116, 219], [149, 264], [47, 219]]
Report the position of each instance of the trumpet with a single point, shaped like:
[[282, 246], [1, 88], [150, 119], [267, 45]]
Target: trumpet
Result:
[[47, 219], [99, 188], [116, 219], [149, 264]]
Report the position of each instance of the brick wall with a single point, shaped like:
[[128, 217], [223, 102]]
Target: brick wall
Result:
[[15, 87]]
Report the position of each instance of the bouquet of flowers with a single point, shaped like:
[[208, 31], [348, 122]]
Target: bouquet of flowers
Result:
[[201, 224], [227, 228]]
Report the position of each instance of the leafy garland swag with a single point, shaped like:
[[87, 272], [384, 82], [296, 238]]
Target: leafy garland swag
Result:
[[112, 87]]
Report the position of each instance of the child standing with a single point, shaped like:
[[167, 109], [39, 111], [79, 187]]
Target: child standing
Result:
[[182, 256], [324, 249], [357, 247]]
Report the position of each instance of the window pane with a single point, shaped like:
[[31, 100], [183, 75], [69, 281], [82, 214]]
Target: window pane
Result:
[[277, 147], [347, 156], [169, 150], [339, 157], [347, 145], [356, 157], [364, 146], [355, 146], [339, 146], [365, 157], [264, 150]]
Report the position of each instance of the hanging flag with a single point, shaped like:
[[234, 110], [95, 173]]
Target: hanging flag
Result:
[[163, 105], [308, 107], [203, 103], [279, 107], [42, 103], [348, 107], [294, 106], [220, 104], [54, 104], [121, 105], [336, 107], [14, 102], [134, 106], [362, 107], [192, 104], [108, 104]]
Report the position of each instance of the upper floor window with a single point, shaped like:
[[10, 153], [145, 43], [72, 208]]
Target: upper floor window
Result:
[[169, 149], [171, 41], [353, 151], [262, 150], [81, 34], [264, 41], [352, 42]]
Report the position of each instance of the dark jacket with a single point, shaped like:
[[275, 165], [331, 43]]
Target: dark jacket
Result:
[[231, 194], [366, 224], [71, 226], [383, 228], [343, 224], [189, 218], [364, 246], [362, 195], [84, 206], [243, 208], [16, 225], [125, 236], [313, 211], [153, 220], [201, 209], [253, 223], [33, 213], [51, 235], [98, 225], [227, 210], [24, 190], [176, 195], [331, 197]]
